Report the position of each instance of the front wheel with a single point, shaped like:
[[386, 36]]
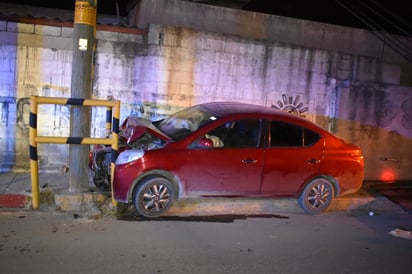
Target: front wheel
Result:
[[317, 196], [153, 197]]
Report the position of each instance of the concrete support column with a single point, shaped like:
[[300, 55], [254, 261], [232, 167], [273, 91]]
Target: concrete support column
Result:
[[81, 87]]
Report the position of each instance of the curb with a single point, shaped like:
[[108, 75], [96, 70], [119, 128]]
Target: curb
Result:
[[80, 201], [14, 200], [96, 201]]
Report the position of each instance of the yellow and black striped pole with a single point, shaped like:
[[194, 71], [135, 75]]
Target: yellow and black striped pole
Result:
[[34, 166], [108, 120], [115, 144]]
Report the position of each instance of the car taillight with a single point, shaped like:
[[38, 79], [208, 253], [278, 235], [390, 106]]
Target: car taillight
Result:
[[357, 155]]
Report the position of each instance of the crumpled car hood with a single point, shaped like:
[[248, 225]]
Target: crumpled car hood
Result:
[[134, 128]]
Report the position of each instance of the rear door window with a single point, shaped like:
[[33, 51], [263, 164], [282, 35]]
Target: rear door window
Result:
[[310, 137], [284, 134]]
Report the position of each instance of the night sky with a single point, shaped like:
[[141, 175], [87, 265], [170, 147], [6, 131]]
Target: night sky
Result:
[[394, 16]]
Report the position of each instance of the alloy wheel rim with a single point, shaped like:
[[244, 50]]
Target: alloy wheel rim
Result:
[[156, 197], [319, 196]]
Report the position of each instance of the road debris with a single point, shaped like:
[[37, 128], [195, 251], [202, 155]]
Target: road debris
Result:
[[401, 233]]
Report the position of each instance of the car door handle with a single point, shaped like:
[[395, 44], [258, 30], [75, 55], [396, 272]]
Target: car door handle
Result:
[[249, 161], [313, 161]]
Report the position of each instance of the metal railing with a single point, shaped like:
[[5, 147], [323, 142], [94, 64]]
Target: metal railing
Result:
[[112, 107]]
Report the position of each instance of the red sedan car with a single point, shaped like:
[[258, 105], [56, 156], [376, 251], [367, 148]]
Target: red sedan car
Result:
[[227, 149]]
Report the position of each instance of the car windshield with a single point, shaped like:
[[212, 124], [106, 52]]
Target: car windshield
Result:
[[186, 121]]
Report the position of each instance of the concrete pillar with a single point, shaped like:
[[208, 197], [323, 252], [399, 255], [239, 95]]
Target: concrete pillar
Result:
[[81, 87]]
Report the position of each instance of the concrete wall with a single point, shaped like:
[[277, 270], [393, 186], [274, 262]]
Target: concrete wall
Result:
[[37, 60], [355, 96], [256, 25]]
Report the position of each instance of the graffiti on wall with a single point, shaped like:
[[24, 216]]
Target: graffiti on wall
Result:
[[61, 120], [7, 133], [60, 113], [5, 109], [151, 109], [291, 104], [136, 109], [23, 113], [387, 113], [406, 107]]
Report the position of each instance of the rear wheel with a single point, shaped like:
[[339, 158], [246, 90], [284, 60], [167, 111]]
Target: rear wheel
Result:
[[154, 197], [317, 196]]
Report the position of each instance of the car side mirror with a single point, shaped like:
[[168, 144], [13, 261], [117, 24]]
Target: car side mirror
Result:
[[205, 143]]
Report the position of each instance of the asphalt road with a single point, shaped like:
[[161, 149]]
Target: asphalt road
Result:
[[336, 242], [400, 193]]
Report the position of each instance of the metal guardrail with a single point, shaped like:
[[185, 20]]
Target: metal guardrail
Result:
[[112, 107]]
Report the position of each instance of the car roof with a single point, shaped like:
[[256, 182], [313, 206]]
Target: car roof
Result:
[[230, 108], [235, 108], [224, 109]]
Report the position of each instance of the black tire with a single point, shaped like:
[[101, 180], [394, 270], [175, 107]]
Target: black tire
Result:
[[317, 196], [153, 197]]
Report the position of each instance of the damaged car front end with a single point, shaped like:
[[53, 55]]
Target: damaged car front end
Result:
[[136, 135]]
